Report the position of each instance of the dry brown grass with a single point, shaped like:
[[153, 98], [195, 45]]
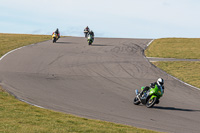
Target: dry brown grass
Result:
[[9, 42], [182, 48]]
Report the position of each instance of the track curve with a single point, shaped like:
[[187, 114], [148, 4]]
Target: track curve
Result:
[[98, 82]]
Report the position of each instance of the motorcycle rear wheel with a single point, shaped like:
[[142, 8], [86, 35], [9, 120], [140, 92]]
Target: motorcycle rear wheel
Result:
[[150, 102], [136, 101]]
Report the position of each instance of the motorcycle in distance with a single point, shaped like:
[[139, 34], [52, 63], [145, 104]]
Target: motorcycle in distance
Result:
[[149, 98], [90, 39], [54, 37]]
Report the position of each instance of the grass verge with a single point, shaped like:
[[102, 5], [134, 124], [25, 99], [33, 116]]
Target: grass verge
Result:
[[180, 48], [19, 117], [186, 71], [12, 41]]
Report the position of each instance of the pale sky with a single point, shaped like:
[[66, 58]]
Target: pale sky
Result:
[[107, 18]]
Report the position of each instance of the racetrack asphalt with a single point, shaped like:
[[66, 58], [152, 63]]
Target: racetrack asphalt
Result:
[[98, 82]]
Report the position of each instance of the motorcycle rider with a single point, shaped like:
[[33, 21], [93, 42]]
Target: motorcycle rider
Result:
[[159, 83], [57, 32], [92, 34], [86, 31]]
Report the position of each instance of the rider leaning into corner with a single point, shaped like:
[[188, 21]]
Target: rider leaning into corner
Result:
[[57, 32], [159, 83]]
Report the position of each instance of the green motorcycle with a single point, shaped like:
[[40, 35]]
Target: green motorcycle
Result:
[[150, 97], [90, 39]]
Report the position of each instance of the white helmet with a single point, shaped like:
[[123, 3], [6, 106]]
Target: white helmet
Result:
[[160, 81]]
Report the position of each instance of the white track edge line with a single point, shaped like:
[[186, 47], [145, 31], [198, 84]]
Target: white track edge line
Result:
[[16, 96], [10, 52]]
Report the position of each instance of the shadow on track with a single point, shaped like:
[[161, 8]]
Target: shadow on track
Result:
[[100, 45], [65, 42], [176, 109]]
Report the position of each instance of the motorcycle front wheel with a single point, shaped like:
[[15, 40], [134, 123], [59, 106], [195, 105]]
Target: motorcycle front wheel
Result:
[[54, 40], [89, 43], [150, 103]]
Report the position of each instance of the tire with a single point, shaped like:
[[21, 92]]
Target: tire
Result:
[[54, 40], [89, 43], [150, 103], [136, 101]]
